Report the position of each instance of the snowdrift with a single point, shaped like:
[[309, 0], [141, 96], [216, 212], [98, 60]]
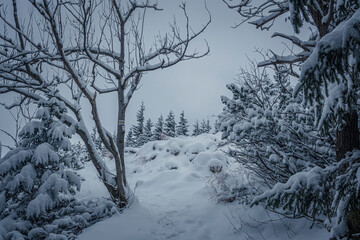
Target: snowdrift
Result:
[[177, 185]]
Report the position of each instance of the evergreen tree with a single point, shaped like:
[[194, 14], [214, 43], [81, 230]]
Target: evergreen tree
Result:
[[196, 130], [130, 139], [159, 129], [97, 141], [216, 126], [263, 120], [182, 127], [80, 155], [170, 125], [148, 135], [329, 84], [205, 126], [138, 131], [35, 178]]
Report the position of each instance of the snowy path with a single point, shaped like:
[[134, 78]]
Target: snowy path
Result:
[[170, 205], [183, 210], [173, 201]]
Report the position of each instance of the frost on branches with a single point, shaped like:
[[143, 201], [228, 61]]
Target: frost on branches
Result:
[[35, 177], [329, 84], [37, 185], [272, 133], [330, 195]]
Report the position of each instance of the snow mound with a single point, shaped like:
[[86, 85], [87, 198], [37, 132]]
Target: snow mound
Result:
[[170, 180], [191, 155]]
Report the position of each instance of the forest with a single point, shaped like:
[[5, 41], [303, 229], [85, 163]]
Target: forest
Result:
[[114, 123]]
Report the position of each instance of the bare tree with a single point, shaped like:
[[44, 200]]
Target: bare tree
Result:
[[84, 49], [20, 112]]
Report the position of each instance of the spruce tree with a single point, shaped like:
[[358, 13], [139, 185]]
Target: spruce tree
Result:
[[97, 141], [138, 131], [170, 125], [159, 129], [205, 126], [328, 82], [130, 139], [36, 179], [182, 127], [148, 135], [196, 130]]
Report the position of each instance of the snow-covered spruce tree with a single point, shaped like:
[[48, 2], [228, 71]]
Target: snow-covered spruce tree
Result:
[[159, 129], [274, 135], [97, 142], [170, 125], [182, 128], [79, 154], [138, 130], [205, 126], [329, 60], [77, 64], [329, 81], [196, 129], [129, 142], [216, 126], [35, 178], [329, 195], [148, 134]]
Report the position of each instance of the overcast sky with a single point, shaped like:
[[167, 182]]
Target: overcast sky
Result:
[[193, 86]]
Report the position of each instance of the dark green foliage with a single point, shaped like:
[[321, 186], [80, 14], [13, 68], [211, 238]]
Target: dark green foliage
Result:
[[197, 129], [148, 135], [159, 129], [205, 126], [170, 125], [129, 142], [182, 127], [138, 130]]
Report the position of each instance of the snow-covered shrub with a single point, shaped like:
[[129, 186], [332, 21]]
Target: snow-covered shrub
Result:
[[329, 194], [35, 178], [271, 133], [230, 186], [80, 155]]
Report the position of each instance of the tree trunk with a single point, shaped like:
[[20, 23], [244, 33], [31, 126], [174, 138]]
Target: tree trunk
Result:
[[347, 138], [120, 144], [102, 171]]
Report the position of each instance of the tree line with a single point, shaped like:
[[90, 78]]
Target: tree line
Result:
[[144, 132]]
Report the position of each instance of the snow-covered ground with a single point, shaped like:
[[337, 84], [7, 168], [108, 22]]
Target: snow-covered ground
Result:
[[173, 199]]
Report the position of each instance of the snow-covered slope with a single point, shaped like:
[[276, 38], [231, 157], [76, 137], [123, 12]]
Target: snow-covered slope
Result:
[[173, 199]]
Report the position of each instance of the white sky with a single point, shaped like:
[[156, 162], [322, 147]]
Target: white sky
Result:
[[194, 86]]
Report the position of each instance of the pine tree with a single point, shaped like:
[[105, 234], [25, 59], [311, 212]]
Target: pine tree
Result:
[[130, 139], [35, 177], [216, 126], [159, 129], [80, 155], [148, 135], [329, 84], [97, 141], [170, 125], [182, 127], [205, 126], [138, 131], [196, 130]]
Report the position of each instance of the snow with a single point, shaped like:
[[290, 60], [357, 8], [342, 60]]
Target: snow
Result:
[[40, 204], [173, 199], [44, 155]]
